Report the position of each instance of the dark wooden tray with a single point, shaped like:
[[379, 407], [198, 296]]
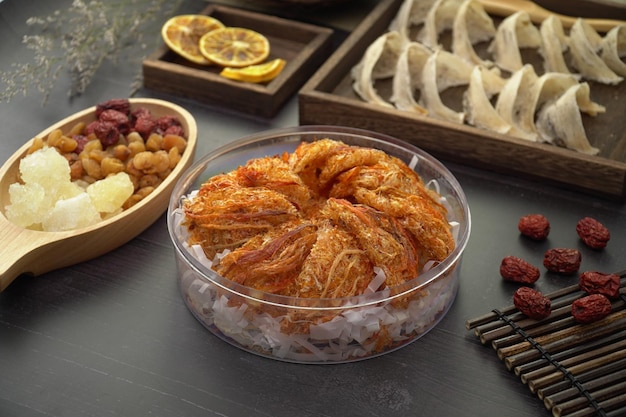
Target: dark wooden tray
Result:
[[328, 98], [303, 46]]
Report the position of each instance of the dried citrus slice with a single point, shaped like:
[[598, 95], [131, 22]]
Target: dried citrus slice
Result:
[[182, 34], [255, 73], [234, 47]]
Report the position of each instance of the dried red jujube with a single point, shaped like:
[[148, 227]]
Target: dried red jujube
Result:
[[593, 282], [532, 303], [516, 269], [593, 233], [106, 132], [117, 118], [562, 260], [591, 308], [119, 104], [145, 126], [534, 226]]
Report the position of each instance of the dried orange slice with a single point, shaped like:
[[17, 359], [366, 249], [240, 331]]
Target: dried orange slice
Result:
[[234, 47], [182, 34], [255, 73]]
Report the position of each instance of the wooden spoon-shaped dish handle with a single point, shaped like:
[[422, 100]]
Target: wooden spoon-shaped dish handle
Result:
[[21, 252], [34, 252]]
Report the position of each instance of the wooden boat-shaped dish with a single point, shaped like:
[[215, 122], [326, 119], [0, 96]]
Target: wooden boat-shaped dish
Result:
[[26, 251]]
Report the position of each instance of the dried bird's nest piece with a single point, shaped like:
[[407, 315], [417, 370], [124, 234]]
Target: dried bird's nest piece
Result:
[[514, 33], [379, 62], [554, 43], [502, 92], [613, 48], [561, 120], [322, 222], [481, 113], [472, 25], [584, 46]]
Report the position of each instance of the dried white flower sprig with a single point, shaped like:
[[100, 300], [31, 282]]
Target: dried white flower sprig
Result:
[[80, 39]]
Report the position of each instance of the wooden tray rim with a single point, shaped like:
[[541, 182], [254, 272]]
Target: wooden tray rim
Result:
[[327, 76], [272, 94]]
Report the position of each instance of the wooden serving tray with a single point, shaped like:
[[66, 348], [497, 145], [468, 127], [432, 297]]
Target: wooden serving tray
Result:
[[302, 45], [328, 98]]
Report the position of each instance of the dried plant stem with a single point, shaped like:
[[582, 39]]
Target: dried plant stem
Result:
[[80, 40]]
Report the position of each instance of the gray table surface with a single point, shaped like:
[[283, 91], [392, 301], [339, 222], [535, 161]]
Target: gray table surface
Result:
[[112, 337]]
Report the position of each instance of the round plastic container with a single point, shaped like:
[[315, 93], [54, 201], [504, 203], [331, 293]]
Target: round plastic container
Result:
[[319, 330]]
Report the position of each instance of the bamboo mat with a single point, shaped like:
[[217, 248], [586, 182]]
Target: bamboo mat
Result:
[[577, 370]]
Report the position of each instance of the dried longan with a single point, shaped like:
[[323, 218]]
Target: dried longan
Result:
[[76, 170], [145, 191], [150, 180], [54, 137], [77, 129], [134, 137], [66, 144], [161, 162], [144, 161], [36, 145], [174, 157], [121, 152], [153, 143], [174, 141], [136, 147], [97, 155], [92, 168], [110, 165]]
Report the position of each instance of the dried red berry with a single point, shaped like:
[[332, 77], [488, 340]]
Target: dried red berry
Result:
[[591, 308], [562, 260], [145, 126], [175, 130], [593, 233], [165, 122], [516, 269], [119, 119], [120, 104], [532, 303], [107, 133], [534, 226], [593, 282], [81, 141], [141, 113]]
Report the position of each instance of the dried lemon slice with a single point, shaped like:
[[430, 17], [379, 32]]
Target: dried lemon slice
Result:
[[182, 34], [255, 73], [234, 47]]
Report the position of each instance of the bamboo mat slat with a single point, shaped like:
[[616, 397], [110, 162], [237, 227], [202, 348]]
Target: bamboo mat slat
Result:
[[577, 370]]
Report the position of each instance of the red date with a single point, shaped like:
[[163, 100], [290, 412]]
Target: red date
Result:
[[532, 303], [534, 226], [562, 260], [516, 269], [145, 125], [165, 122], [591, 308], [593, 233], [106, 132], [117, 118], [593, 282], [121, 105]]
